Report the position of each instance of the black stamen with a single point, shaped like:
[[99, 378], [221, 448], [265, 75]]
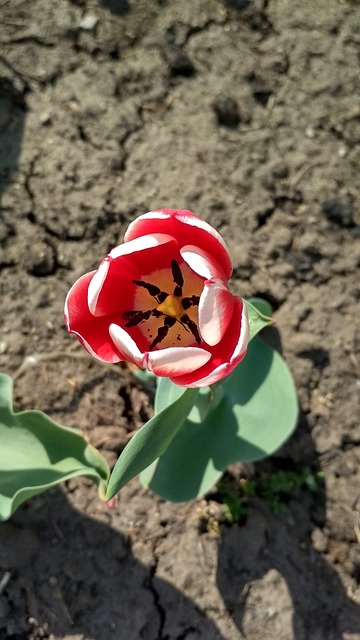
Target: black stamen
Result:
[[135, 317], [185, 320], [177, 275], [169, 321], [189, 302], [162, 331], [178, 278], [151, 288], [162, 296], [161, 334], [154, 291]]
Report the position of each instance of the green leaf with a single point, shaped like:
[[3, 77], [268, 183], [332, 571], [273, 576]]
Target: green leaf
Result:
[[166, 393], [257, 312], [257, 413], [204, 402], [36, 454], [262, 306], [152, 440]]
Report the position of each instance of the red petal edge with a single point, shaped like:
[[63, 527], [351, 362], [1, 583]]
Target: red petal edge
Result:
[[186, 228], [225, 355], [92, 333]]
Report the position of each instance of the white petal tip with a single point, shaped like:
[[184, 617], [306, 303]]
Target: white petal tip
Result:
[[177, 360], [96, 284], [126, 345], [215, 311]]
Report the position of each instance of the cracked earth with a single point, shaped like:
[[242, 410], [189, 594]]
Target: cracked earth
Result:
[[245, 112]]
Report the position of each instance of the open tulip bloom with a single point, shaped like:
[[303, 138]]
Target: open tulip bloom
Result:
[[161, 301]]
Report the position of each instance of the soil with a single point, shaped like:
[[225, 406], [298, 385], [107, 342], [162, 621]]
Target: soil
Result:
[[247, 113]]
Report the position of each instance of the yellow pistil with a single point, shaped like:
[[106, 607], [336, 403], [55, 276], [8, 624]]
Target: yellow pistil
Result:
[[171, 307]]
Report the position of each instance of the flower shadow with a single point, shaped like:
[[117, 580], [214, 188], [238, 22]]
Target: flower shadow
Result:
[[271, 554], [72, 575]]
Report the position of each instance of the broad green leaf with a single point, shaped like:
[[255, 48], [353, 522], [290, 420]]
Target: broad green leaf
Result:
[[262, 306], [36, 454], [166, 393], [206, 399], [152, 440], [257, 312], [257, 413]]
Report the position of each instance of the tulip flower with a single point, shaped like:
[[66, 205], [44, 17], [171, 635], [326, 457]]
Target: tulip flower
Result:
[[161, 301]]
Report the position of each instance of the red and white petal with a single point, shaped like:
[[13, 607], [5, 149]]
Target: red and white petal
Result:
[[96, 286], [140, 244], [215, 311], [103, 350], [76, 309], [91, 332], [176, 360], [216, 302], [126, 345], [186, 227], [111, 289], [225, 355], [243, 341], [202, 263]]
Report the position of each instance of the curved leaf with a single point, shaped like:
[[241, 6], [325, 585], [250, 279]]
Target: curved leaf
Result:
[[256, 415], [258, 309], [152, 440], [36, 454], [166, 393]]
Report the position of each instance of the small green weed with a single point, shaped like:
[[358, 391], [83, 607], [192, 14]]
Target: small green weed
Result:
[[276, 488]]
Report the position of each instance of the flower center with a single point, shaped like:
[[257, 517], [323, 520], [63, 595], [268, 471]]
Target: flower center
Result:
[[171, 307], [167, 319]]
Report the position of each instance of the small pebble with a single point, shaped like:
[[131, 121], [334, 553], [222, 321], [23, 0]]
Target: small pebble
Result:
[[342, 151], [261, 92], [319, 540], [41, 260], [339, 211], [178, 60], [227, 111], [280, 170], [3, 347], [45, 119], [88, 22], [309, 132]]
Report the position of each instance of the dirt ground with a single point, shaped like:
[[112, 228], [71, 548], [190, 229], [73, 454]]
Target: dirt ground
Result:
[[247, 112]]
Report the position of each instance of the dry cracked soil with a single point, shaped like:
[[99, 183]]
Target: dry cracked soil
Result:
[[246, 112]]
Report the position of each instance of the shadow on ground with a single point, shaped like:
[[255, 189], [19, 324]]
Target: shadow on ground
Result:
[[271, 565], [117, 7], [73, 575]]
